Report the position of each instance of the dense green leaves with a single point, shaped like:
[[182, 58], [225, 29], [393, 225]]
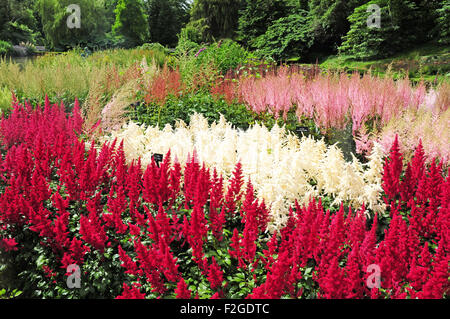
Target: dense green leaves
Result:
[[443, 22], [166, 19], [221, 16], [286, 38], [256, 17], [131, 22], [93, 23], [18, 22], [399, 28]]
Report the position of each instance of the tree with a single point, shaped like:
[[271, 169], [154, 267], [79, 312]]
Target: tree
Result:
[[18, 22], [286, 38], [59, 35], [404, 23], [329, 21], [443, 23], [221, 16], [166, 18], [257, 15], [131, 22]]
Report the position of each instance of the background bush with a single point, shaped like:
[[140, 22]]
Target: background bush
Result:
[[5, 48]]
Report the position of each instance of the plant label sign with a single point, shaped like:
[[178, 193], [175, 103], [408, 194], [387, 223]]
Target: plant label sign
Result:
[[302, 130], [157, 158]]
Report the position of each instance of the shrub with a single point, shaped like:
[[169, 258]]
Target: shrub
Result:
[[181, 108], [225, 55], [5, 48], [286, 38], [402, 24], [443, 23]]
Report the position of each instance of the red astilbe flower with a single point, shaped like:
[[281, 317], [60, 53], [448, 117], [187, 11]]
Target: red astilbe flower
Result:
[[234, 194], [156, 182], [215, 275], [116, 205], [420, 269], [443, 219], [354, 280], [335, 242], [133, 182], [163, 222], [237, 251], [174, 181], [276, 281], [272, 246], [197, 234], [127, 262], [249, 219], [62, 221], [392, 170], [306, 233], [130, 293], [191, 176], [8, 244], [75, 254], [413, 174], [167, 263], [148, 265], [217, 220], [49, 273], [330, 282], [182, 291], [203, 187], [438, 284], [93, 232]]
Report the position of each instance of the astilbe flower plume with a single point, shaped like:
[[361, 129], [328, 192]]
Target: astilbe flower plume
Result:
[[131, 293]]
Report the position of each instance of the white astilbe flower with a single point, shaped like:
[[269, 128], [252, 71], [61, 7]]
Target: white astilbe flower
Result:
[[281, 167]]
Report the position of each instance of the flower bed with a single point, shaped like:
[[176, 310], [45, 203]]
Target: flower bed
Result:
[[154, 232]]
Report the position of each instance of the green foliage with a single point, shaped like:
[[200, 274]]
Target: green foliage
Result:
[[364, 42], [191, 36], [221, 16], [225, 55], [443, 22], [257, 15], [404, 23], [131, 22], [329, 21], [182, 108], [166, 19], [93, 26], [209, 62], [5, 99], [286, 37], [5, 48], [18, 22]]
